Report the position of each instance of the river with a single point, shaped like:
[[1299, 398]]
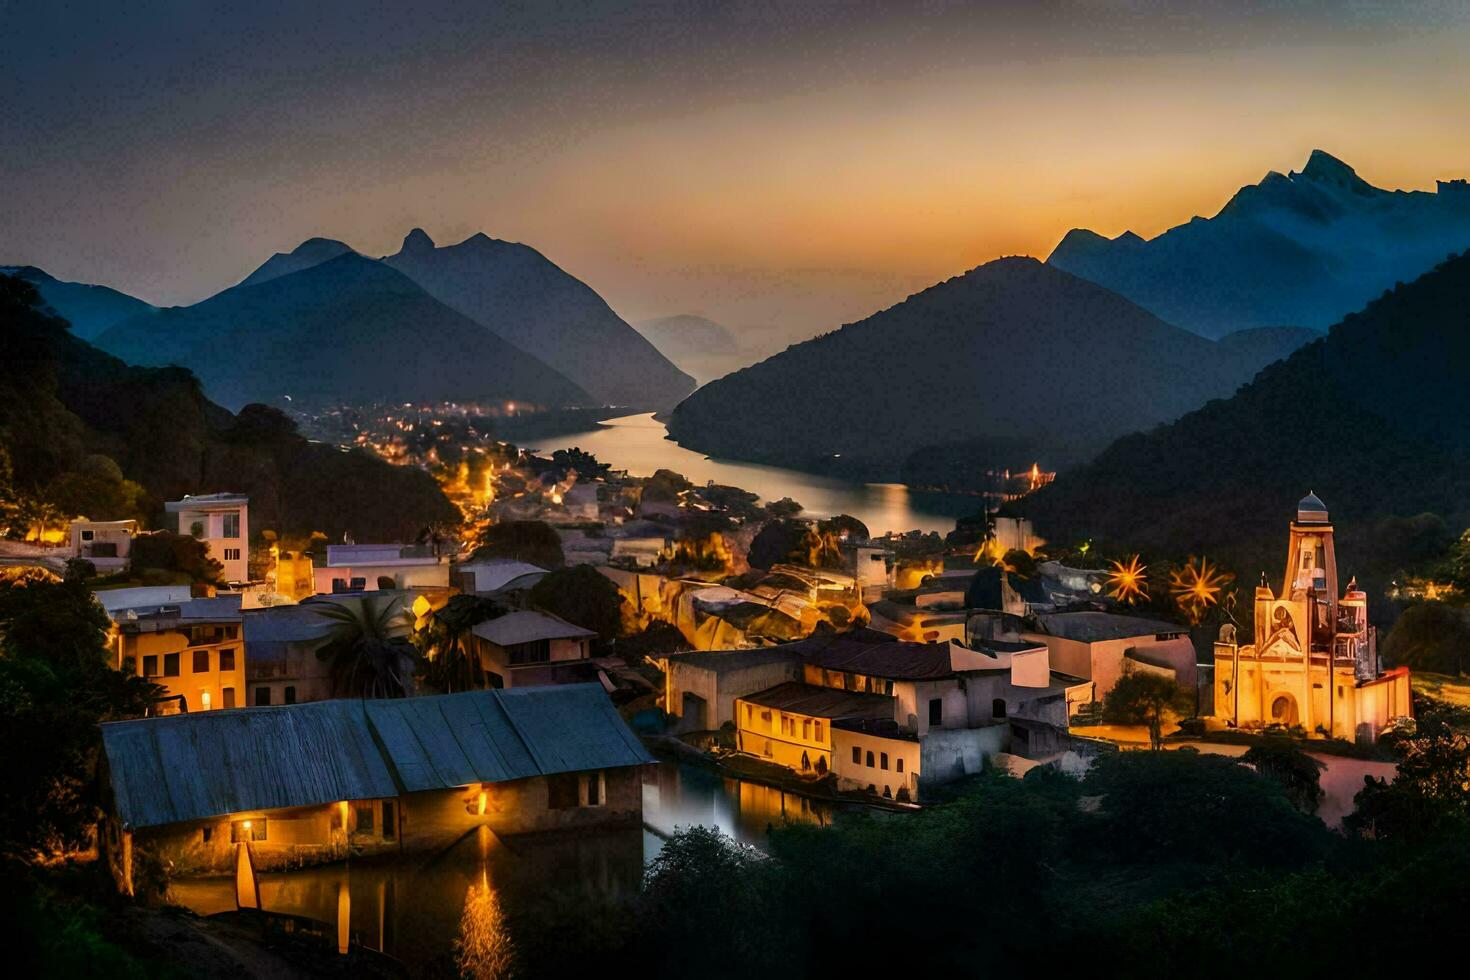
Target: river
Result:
[[416, 909], [638, 444]]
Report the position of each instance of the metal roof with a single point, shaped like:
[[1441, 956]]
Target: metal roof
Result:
[[206, 764]]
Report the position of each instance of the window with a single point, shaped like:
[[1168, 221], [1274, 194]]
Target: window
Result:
[[870, 760], [817, 730], [230, 528], [232, 554], [898, 764], [936, 711], [228, 695], [534, 652], [594, 795], [170, 665], [561, 791], [227, 659], [806, 728], [883, 760], [364, 818], [247, 830], [201, 661], [88, 535], [749, 716], [206, 834], [150, 665], [262, 696], [290, 697], [998, 708], [857, 756], [390, 824], [766, 722]]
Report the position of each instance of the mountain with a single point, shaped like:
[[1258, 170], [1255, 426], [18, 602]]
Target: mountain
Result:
[[76, 422], [313, 251], [1023, 356], [699, 346], [89, 309], [350, 329], [1263, 345], [1371, 418], [1306, 248], [523, 297]]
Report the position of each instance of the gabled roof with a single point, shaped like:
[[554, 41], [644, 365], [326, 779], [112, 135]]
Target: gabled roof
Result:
[[527, 625], [895, 661], [721, 661], [822, 702], [206, 764]]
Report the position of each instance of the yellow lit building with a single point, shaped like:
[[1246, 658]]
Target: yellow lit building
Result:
[[791, 724], [1314, 663], [193, 648]]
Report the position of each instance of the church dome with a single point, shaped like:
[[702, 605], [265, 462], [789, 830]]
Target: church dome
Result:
[[1311, 510]]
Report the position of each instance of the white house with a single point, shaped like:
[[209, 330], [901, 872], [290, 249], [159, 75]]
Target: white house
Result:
[[221, 521], [358, 567], [106, 544]]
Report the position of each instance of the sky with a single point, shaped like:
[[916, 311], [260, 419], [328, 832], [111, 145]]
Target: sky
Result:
[[781, 168]]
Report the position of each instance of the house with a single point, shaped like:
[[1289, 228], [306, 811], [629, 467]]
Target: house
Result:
[[1314, 663], [530, 647], [280, 649], [222, 522], [495, 575], [192, 648], [700, 687], [311, 783], [369, 567], [791, 724], [872, 570], [1102, 647], [106, 544], [941, 708]]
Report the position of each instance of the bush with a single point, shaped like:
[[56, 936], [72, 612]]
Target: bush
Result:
[[535, 542]]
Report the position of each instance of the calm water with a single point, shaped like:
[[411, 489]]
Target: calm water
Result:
[[636, 443], [423, 911]]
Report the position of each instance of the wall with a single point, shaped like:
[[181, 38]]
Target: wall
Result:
[[718, 689], [188, 683], [1103, 662], [885, 782], [951, 754], [759, 732], [428, 575]]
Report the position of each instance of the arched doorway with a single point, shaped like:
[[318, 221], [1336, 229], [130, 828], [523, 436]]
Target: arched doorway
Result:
[[1283, 711]]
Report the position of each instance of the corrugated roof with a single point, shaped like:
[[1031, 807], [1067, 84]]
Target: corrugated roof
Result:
[[207, 764], [527, 625]]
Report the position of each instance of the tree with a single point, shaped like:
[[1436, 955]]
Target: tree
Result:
[[1280, 758], [583, 596], [368, 646], [56, 685], [172, 552], [846, 528], [1145, 698], [1430, 792], [529, 541], [776, 542], [95, 488], [1431, 636], [451, 665]]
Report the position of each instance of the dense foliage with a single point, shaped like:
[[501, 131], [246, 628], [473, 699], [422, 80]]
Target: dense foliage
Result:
[[56, 684], [535, 542], [583, 596]]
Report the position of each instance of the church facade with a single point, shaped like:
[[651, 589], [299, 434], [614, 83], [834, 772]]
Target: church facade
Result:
[[1314, 663]]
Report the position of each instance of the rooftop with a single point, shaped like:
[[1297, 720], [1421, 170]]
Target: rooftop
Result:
[[207, 764], [191, 502], [895, 661], [822, 702], [726, 660], [221, 609], [527, 626], [1094, 627]]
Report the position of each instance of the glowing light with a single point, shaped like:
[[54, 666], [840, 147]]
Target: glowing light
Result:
[[1126, 582], [1197, 587], [484, 800]]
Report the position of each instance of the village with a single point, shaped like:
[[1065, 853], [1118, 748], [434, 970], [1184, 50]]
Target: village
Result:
[[528, 679]]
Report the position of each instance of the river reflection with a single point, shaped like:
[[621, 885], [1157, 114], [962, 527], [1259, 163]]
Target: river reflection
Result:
[[636, 443], [461, 912]]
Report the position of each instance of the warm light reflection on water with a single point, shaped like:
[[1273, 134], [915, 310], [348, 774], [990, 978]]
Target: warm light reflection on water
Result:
[[636, 443], [457, 913]]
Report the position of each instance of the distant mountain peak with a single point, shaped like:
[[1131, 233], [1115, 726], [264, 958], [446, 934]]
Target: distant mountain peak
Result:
[[313, 251], [417, 240], [1325, 168]]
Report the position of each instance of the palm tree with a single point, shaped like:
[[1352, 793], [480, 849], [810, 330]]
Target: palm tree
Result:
[[368, 646], [453, 666]]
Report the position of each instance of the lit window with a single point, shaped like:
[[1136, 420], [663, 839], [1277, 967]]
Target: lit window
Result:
[[253, 829]]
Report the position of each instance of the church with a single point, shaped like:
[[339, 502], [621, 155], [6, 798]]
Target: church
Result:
[[1314, 662]]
